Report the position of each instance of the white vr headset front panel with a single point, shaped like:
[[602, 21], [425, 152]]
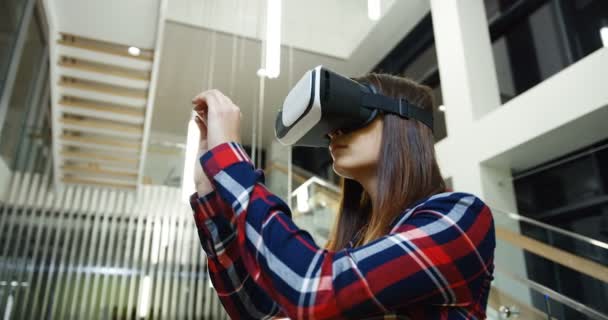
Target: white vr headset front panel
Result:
[[296, 104]]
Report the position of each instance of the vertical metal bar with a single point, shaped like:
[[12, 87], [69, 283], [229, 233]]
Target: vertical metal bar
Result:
[[66, 197], [130, 227], [20, 267], [165, 261], [109, 261], [9, 254], [12, 270], [11, 221], [97, 264], [122, 236], [140, 206], [79, 223], [190, 267], [18, 184], [38, 226], [15, 59], [178, 284], [92, 250], [85, 225], [146, 253], [170, 253], [49, 216]]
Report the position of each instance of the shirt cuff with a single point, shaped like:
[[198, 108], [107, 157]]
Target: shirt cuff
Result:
[[223, 156], [204, 207]]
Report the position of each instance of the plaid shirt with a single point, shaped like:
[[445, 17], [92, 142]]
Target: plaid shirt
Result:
[[435, 263]]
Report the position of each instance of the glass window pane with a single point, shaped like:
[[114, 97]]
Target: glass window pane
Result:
[[11, 12], [21, 97], [545, 41]]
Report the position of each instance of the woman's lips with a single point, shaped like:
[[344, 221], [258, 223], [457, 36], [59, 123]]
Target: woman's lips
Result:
[[334, 146]]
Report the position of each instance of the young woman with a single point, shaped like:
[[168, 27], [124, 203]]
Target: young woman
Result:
[[402, 245]]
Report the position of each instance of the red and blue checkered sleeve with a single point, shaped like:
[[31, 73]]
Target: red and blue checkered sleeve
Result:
[[241, 296], [438, 253]]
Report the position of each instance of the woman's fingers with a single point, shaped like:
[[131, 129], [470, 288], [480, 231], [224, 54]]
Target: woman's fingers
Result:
[[201, 124], [220, 115]]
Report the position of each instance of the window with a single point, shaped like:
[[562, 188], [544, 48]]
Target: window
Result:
[[569, 193], [23, 96], [415, 57], [533, 40], [11, 13]]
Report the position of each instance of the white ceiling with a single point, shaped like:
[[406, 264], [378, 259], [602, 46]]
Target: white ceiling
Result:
[[131, 22], [196, 58], [332, 27]]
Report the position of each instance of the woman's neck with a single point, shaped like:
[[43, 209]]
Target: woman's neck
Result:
[[369, 182]]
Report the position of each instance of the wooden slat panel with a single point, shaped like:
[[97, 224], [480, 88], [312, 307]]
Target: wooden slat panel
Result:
[[101, 141], [96, 170], [83, 84], [99, 183], [102, 46], [130, 102], [93, 156], [100, 124], [88, 65], [101, 106], [562, 257]]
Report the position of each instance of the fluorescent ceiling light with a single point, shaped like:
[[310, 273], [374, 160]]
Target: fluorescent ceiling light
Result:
[[604, 36], [373, 9], [134, 51], [273, 39], [194, 135]]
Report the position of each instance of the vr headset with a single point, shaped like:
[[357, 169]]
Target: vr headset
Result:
[[324, 101]]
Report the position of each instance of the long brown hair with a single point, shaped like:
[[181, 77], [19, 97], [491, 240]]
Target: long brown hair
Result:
[[407, 169]]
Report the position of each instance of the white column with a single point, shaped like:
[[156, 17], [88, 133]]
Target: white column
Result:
[[466, 64], [470, 90]]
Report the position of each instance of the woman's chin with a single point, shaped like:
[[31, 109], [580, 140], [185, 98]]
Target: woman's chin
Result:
[[341, 171]]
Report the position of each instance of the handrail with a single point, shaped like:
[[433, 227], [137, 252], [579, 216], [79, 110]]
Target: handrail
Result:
[[573, 261], [511, 215], [567, 259], [543, 225], [590, 312]]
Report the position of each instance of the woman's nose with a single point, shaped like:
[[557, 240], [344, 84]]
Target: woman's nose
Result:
[[335, 133]]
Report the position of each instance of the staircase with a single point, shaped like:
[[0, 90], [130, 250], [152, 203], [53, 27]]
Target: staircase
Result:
[[103, 94]]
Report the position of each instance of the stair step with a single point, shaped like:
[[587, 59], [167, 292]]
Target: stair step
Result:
[[91, 85], [104, 78], [105, 58], [105, 98], [99, 182], [118, 71], [96, 170], [112, 114], [103, 46], [98, 156], [102, 141], [101, 106], [102, 127]]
